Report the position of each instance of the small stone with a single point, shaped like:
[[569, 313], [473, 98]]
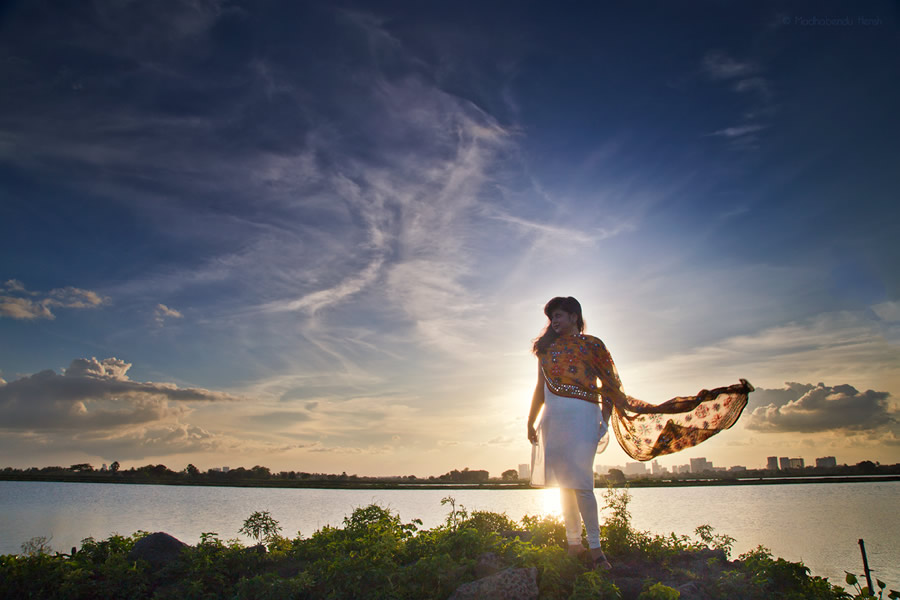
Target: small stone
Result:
[[691, 591], [158, 549], [630, 587], [509, 584], [488, 564]]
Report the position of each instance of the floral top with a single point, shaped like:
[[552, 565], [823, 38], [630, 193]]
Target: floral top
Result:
[[573, 364]]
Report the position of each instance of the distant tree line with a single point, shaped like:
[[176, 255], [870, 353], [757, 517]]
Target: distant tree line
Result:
[[191, 474], [263, 475]]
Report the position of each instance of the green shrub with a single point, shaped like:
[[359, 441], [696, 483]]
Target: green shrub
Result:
[[261, 527], [591, 585], [658, 591], [376, 555]]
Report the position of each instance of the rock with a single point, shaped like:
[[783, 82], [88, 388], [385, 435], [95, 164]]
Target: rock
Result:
[[509, 584], [691, 591], [630, 587], [158, 549], [488, 564]]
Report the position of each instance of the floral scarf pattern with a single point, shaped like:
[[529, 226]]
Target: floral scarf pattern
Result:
[[571, 367]]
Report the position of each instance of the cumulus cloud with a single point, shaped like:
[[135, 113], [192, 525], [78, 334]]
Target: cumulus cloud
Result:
[[807, 408], [93, 395], [19, 303]]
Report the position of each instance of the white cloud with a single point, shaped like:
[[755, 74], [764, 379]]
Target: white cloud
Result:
[[719, 65], [849, 346], [755, 84], [888, 311], [555, 232], [25, 308], [162, 312], [722, 67], [93, 395], [813, 408], [733, 132]]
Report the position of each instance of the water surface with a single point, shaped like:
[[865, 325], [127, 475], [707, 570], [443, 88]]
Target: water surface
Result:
[[818, 524]]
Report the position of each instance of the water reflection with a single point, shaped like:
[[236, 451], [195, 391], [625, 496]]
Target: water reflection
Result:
[[551, 503]]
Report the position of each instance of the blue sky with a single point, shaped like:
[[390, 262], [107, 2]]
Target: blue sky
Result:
[[318, 236]]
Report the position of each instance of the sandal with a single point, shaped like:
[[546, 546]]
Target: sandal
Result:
[[598, 559]]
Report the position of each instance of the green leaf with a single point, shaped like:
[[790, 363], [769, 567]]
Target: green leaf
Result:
[[881, 584], [851, 579]]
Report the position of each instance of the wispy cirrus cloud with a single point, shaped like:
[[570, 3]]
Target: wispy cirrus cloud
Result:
[[854, 346], [559, 233], [720, 65], [745, 78], [735, 132]]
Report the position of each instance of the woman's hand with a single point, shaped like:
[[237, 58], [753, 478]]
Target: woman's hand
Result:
[[532, 434]]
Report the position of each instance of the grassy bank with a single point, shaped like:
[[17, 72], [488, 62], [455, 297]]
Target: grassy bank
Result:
[[376, 555]]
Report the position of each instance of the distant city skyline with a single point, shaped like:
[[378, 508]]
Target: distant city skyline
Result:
[[319, 235]]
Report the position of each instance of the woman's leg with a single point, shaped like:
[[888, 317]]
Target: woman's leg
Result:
[[587, 506], [571, 516]]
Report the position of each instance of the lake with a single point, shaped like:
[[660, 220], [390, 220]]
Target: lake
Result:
[[818, 524]]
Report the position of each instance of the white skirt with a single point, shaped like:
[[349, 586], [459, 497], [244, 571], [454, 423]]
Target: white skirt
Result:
[[570, 434]]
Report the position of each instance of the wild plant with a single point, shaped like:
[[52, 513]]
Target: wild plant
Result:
[[261, 527], [864, 591]]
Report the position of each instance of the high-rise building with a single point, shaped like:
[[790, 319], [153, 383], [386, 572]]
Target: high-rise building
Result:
[[796, 463], [635, 468], [784, 463], [698, 465], [772, 463], [657, 469], [524, 471], [826, 461]]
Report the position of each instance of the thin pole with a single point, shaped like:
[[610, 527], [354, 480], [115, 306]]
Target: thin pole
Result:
[[862, 548]]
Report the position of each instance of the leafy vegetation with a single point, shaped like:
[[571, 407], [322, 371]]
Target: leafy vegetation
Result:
[[261, 527], [376, 555]]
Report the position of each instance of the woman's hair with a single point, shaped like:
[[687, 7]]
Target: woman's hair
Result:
[[548, 336]]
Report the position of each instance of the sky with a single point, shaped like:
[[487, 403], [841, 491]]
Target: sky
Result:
[[318, 236]]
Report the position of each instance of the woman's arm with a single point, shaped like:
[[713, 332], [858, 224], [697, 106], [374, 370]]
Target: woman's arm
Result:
[[537, 401]]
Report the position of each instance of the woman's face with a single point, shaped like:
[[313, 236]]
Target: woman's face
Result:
[[564, 323]]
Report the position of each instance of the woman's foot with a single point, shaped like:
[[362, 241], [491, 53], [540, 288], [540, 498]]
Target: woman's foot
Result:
[[575, 549], [598, 559]]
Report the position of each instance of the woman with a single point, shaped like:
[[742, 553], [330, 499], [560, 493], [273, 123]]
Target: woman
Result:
[[576, 411]]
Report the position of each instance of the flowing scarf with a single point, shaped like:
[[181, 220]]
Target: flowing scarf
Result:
[[572, 365]]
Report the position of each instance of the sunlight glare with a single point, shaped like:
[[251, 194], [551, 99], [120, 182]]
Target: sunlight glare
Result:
[[552, 506]]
